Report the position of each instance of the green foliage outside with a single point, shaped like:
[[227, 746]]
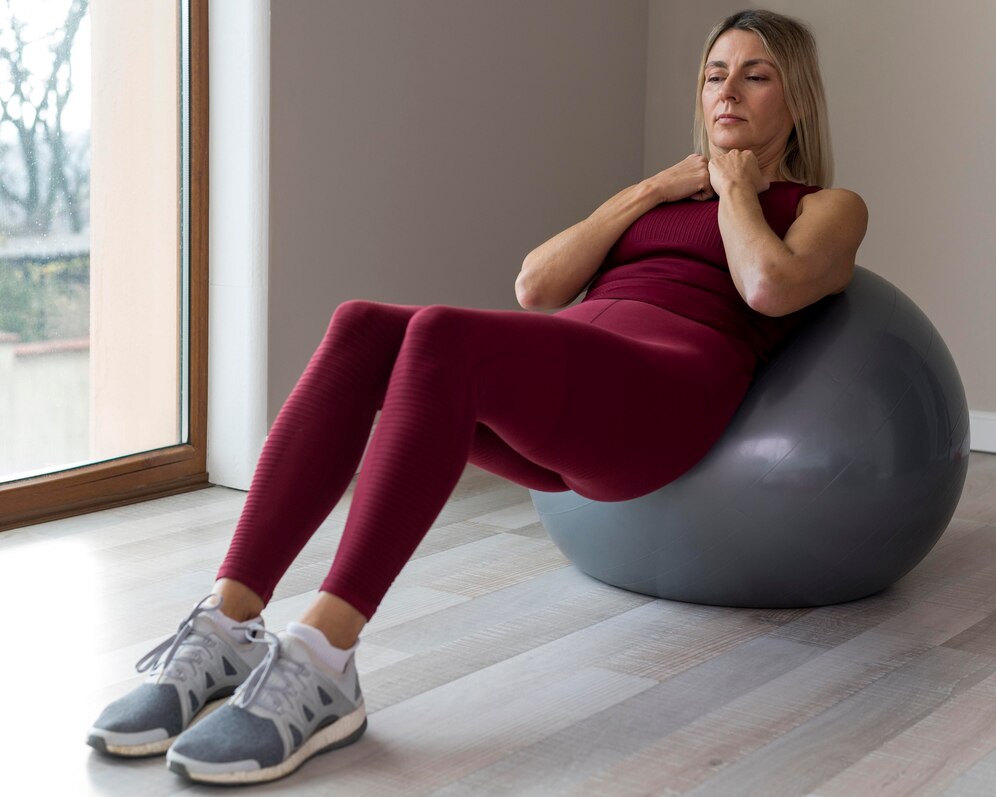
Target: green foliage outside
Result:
[[45, 299]]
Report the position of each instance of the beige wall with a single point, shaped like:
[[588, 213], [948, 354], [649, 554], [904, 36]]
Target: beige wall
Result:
[[420, 150], [675, 34], [910, 86]]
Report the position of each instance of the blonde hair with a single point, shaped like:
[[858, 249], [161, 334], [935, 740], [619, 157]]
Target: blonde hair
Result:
[[808, 157]]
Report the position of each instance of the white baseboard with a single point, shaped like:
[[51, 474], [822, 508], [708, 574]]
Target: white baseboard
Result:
[[983, 431]]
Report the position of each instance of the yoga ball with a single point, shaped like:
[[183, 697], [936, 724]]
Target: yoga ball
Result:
[[837, 475]]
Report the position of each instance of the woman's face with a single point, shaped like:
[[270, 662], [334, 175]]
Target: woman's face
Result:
[[743, 102]]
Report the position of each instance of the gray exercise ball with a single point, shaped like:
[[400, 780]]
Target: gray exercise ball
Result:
[[837, 475]]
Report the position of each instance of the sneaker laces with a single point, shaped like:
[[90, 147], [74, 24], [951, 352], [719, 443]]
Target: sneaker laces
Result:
[[276, 679], [168, 653]]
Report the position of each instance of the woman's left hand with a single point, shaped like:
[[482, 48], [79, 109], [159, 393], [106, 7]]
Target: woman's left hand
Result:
[[738, 166]]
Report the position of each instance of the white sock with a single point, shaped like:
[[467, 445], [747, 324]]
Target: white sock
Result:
[[228, 625], [317, 643]]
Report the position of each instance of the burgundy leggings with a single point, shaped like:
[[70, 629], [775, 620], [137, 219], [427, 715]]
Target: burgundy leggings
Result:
[[610, 398]]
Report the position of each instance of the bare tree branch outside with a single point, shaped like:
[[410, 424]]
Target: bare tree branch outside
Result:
[[44, 171]]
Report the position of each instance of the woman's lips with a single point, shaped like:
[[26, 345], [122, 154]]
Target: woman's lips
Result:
[[727, 119]]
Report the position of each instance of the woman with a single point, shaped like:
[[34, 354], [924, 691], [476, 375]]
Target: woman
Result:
[[694, 275]]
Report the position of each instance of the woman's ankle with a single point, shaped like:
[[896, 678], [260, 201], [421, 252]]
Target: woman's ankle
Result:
[[339, 621], [238, 602]]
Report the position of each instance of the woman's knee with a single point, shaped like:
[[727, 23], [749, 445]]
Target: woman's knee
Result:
[[355, 312], [438, 326], [362, 315], [442, 316]]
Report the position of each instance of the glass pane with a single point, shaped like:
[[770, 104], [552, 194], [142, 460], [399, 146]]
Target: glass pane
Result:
[[89, 232]]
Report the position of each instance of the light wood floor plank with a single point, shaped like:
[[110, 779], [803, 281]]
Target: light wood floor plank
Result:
[[732, 736], [928, 755], [495, 668], [804, 758], [560, 763], [975, 782], [498, 640], [441, 735], [511, 517], [485, 565], [562, 585]]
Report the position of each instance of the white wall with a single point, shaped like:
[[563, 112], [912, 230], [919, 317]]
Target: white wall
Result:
[[239, 45]]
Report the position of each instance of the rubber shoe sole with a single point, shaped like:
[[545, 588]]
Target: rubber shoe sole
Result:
[[341, 733], [118, 744]]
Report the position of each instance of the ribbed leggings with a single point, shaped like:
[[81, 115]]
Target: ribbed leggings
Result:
[[611, 398]]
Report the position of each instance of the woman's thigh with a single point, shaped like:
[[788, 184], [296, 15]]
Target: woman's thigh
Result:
[[617, 397]]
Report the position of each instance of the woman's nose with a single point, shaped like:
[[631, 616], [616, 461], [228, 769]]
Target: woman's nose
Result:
[[728, 90]]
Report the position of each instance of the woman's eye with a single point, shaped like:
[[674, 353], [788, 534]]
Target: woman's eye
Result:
[[719, 79]]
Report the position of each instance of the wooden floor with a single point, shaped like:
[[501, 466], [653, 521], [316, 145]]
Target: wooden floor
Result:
[[494, 667]]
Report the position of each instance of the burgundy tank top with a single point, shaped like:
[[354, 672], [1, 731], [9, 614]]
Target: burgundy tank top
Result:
[[673, 257]]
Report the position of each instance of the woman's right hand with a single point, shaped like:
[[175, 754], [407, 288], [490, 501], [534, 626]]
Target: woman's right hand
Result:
[[686, 179], [555, 272]]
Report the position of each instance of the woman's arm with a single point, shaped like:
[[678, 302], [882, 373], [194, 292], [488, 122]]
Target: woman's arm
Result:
[[816, 257], [554, 273]]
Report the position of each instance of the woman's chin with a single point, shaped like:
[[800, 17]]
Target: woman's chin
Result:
[[727, 140]]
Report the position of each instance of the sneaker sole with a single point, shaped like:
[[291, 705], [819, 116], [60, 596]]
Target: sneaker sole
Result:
[[149, 749], [343, 732]]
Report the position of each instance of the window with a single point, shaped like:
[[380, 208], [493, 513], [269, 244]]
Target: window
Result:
[[103, 265]]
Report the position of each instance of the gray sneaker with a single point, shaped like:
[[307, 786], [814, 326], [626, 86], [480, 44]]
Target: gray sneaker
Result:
[[291, 708], [190, 675]]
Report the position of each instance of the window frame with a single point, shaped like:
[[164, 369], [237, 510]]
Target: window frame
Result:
[[164, 471]]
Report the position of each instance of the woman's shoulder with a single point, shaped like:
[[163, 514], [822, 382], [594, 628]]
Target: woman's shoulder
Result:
[[836, 201]]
